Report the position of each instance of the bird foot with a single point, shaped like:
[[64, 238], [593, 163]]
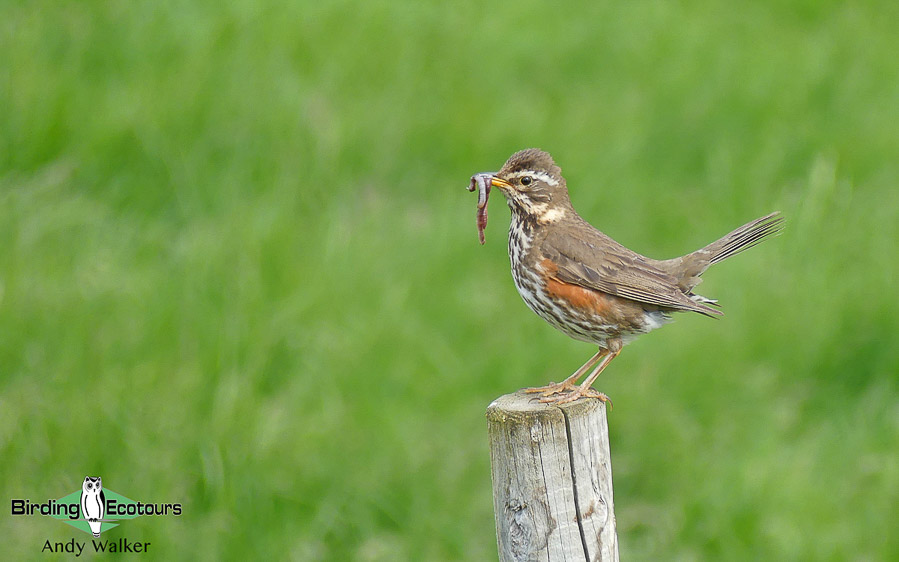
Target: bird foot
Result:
[[552, 388], [574, 394]]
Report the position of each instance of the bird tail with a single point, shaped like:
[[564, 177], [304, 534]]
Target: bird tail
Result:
[[742, 238], [688, 269]]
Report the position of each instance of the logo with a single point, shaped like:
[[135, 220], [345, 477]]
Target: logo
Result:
[[94, 510]]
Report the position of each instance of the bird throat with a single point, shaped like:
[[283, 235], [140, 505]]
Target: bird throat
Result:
[[542, 212], [525, 231], [522, 232]]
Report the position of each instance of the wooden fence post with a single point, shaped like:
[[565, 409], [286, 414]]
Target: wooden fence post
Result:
[[552, 480]]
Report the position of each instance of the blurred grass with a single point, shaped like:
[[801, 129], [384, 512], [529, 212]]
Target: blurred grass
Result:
[[238, 268]]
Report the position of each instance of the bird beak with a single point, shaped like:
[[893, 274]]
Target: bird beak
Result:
[[500, 183]]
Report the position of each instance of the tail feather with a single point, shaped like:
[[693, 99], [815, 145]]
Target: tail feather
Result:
[[688, 269], [744, 237]]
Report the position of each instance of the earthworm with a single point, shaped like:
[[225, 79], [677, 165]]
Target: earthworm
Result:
[[481, 182]]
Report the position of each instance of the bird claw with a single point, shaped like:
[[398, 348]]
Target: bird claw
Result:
[[575, 394], [551, 388]]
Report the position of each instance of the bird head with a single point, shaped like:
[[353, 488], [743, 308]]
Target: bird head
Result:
[[533, 186]]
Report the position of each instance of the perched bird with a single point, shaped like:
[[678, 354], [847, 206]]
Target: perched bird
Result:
[[93, 503], [589, 286]]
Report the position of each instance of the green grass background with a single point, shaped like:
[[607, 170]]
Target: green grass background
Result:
[[239, 268]]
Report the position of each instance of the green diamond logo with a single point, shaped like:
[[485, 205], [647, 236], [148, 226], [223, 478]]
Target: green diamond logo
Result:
[[107, 522]]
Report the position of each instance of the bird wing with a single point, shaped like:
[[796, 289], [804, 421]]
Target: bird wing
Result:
[[615, 270]]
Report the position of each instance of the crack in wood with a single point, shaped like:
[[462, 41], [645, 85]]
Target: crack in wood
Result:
[[577, 505]]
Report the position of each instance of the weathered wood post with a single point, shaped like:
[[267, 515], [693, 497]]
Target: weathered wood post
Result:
[[552, 480]]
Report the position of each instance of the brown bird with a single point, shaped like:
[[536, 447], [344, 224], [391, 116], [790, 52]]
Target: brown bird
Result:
[[587, 285]]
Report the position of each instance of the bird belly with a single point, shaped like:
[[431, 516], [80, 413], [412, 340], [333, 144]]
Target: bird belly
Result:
[[92, 507], [582, 313]]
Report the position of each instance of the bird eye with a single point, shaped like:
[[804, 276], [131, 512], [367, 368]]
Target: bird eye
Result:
[[526, 180]]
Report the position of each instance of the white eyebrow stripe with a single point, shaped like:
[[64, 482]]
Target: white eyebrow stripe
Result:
[[544, 177]]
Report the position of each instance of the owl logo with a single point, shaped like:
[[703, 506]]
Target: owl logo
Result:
[[93, 503]]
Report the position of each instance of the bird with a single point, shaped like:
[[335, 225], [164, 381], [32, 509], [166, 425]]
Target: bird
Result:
[[587, 285], [93, 503]]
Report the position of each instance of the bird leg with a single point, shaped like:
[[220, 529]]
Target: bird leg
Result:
[[568, 384], [585, 390]]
